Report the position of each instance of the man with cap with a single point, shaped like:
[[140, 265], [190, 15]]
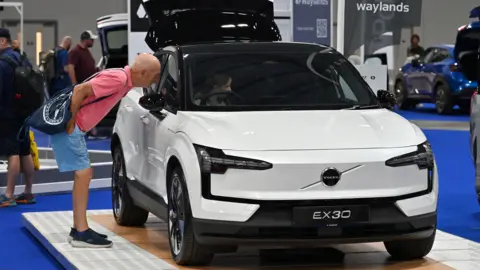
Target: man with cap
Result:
[[80, 59], [17, 152]]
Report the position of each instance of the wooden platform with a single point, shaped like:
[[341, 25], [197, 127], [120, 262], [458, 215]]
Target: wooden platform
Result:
[[147, 248]]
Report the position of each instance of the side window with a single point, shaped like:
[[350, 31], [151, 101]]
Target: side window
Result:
[[440, 55], [155, 86], [169, 82], [429, 56]]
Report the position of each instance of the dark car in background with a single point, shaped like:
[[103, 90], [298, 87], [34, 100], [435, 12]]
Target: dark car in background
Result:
[[434, 77]]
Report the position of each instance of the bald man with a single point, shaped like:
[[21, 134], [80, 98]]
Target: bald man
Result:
[[91, 101], [62, 76]]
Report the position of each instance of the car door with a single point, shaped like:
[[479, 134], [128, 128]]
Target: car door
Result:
[[114, 43], [432, 69], [131, 135], [161, 126]]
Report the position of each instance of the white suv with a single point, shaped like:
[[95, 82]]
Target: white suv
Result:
[[266, 143]]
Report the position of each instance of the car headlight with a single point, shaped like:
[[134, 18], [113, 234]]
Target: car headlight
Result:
[[213, 160], [422, 157]]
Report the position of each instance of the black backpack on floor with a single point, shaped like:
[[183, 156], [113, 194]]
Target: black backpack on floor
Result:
[[28, 87]]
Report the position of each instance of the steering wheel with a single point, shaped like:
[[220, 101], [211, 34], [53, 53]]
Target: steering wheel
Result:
[[218, 93]]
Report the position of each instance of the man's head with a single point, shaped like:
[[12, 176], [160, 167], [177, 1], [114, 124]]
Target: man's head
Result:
[[87, 38], [5, 38], [145, 70], [15, 44], [66, 43], [415, 39]]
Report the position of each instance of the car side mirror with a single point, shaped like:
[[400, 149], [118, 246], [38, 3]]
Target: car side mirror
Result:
[[153, 102], [386, 99]]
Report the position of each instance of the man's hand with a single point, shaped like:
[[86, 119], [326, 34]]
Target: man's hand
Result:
[[71, 125]]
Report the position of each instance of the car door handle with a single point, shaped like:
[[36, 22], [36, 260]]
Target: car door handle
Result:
[[128, 108], [145, 119]]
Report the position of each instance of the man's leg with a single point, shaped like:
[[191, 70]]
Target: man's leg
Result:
[[13, 171], [71, 154], [80, 199], [27, 169], [12, 151]]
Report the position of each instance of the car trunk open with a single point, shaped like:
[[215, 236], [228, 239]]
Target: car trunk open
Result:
[[177, 22]]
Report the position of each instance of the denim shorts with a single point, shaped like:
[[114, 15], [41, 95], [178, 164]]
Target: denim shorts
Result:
[[70, 151]]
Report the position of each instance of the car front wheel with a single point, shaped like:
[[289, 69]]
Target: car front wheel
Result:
[[184, 248], [125, 212], [410, 249]]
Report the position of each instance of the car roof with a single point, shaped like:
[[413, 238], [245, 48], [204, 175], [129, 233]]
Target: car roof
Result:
[[253, 47], [112, 20]]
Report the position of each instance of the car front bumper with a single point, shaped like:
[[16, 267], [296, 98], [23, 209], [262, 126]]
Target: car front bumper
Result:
[[274, 225]]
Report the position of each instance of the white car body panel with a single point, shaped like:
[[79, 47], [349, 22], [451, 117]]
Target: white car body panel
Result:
[[358, 142]]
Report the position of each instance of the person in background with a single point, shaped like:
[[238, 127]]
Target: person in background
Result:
[[17, 152], [69, 147], [415, 48], [82, 65], [62, 77], [16, 46], [218, 83]]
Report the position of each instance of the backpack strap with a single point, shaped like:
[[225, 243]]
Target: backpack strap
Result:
[[9, 61], [100, 98]]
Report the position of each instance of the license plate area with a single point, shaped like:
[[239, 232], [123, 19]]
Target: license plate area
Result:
[[330, 216]]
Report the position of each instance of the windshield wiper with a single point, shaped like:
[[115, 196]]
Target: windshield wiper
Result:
[[364, 107]]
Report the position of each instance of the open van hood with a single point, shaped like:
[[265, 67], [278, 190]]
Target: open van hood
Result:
[[467, 47], [175, 22]]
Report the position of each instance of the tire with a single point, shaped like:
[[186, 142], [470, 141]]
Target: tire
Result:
[[443, 99], [410, 249], [401, 95], [125, 212], [184, 247]]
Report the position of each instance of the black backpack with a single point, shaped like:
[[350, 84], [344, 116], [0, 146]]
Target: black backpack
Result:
[[28, 87]]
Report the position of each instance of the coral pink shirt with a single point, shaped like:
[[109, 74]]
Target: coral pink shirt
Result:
[[115, 82]]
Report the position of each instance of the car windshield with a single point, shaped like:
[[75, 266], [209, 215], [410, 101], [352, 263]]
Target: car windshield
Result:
[[274, 81]]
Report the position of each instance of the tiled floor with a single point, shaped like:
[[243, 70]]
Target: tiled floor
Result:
[[147, 248]]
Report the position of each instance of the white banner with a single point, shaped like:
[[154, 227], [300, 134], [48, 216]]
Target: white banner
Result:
[[374, 75]]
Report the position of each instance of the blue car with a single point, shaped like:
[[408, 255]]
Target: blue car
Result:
[[434, 77]]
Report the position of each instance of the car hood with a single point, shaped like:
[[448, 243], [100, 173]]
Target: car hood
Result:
[[300, 130]]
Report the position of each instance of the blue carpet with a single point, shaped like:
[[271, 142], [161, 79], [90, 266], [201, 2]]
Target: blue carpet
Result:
[[20, 250], [427, 112], [458, 211]]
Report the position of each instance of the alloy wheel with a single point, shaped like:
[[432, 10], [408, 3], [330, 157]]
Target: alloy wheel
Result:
[[440, 99], [176, 215], [117, 184], [399, 95]]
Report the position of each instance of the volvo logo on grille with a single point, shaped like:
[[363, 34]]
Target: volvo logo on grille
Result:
[[330, 177]]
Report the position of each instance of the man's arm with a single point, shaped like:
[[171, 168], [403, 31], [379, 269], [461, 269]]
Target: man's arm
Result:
[[72, 61], [80, 93], [64, 60]]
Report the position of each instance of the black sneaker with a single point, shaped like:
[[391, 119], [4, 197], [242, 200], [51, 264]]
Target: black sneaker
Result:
[[73, 231], [89, 239]]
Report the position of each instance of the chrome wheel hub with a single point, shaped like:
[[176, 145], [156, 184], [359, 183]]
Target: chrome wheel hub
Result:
[[176, 216]]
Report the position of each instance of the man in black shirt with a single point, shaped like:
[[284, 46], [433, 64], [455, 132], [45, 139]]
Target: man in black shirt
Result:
[[415, 48]]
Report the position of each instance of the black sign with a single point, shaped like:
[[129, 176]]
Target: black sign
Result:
[[138, 17], [311, 21], [330, 216], [367, 20]]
